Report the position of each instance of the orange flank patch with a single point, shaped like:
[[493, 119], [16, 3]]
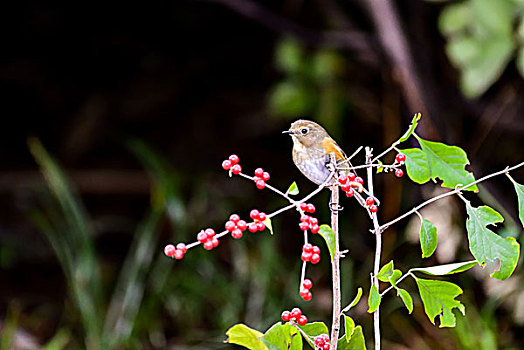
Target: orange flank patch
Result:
[[330, 146]]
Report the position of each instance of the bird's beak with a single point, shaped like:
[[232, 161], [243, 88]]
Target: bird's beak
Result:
[[288, 132]]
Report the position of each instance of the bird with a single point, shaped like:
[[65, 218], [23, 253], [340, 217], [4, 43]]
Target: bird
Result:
[[311, 148]]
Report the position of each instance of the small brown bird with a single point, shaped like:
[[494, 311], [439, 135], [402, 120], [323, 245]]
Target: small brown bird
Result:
[[311, 148]]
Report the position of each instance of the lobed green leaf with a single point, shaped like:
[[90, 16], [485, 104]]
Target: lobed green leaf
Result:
[[416, 165], [447, 269], [374, 299], [327, 233], [314, 329], [241, 334], [438, 298], [520, 196], [428, 238], [485, 245], [282, 336], [357, 341]]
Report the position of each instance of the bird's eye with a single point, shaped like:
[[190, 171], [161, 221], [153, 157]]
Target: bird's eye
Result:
[[304, 131]]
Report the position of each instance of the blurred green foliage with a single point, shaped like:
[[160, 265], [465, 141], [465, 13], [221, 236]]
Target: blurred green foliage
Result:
[[482, 40]]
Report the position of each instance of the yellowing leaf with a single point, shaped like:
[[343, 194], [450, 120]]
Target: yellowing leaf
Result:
[[241, 334], [438, 298]]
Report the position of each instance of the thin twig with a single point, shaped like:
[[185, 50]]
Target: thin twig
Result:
[[450, 193], [378, 249], [335, 263]]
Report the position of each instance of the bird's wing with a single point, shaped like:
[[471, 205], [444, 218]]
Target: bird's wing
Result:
[[330, 146]]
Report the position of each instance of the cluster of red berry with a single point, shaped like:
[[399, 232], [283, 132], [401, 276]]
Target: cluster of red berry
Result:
[[261, 177], [400, 158], [294, 315], [235, 226], [207, 238], [258, 224], [305, 292], [310, 253], [308, 222], [347, 182], [322, 342], [370, 202], [232, 165], [177, 253]]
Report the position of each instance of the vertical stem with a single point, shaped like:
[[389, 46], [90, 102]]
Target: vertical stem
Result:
[[335, 263], [378, 248]]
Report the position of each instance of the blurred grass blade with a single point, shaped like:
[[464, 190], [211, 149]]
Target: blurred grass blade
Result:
[[72, 241]]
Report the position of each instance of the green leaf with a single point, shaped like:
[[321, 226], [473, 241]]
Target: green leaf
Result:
[[447, 163], [357, 341], [438, 298], [485, 245], [463, 50], [282, 336], [267, 222], [380, 168], [293, 189], [492, 17], [394, 277], [520, 195], [454, 18], [355, 301], [327, 233], [417, 166], [385, 272], [349, 325], [413, 126], [406, 298], [314, 329], [241, 334], [447, 269], [428, 238], [289, 56], [374, 299]]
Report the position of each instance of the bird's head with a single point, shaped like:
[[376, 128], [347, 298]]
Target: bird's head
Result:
[[306, 132]]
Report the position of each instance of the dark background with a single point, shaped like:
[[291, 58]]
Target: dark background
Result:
[[195, 81]]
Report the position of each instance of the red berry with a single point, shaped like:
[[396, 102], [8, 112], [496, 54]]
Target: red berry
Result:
[[261, 184], [303, 206], [315, 250], [304, 226], [373, 208], [286, 316], [400, 158], [305, 256], [202, 237], [178, 254], [265, 176], [259, 172], [230, 225], [307, 247], [399, 173], [342, 179], [307, 283], [313, 221], [315, 258], [253, 214], [236, 169], [326, 346], [181, 246], [302, 320], [351, 177], [214, 240], [208, 245], [261, 226], [304, 218], [234, 159], [359, 180], [345, 187], [319, 341], [261, 216], [314, 228], [226, 164], [350, 193], [252, 227], [236, 233], [242, 225], [307, 296], [234, 218], [169, 250], [303, 292], [296, 313], [311, 208], [369, 201], [209, 232]]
